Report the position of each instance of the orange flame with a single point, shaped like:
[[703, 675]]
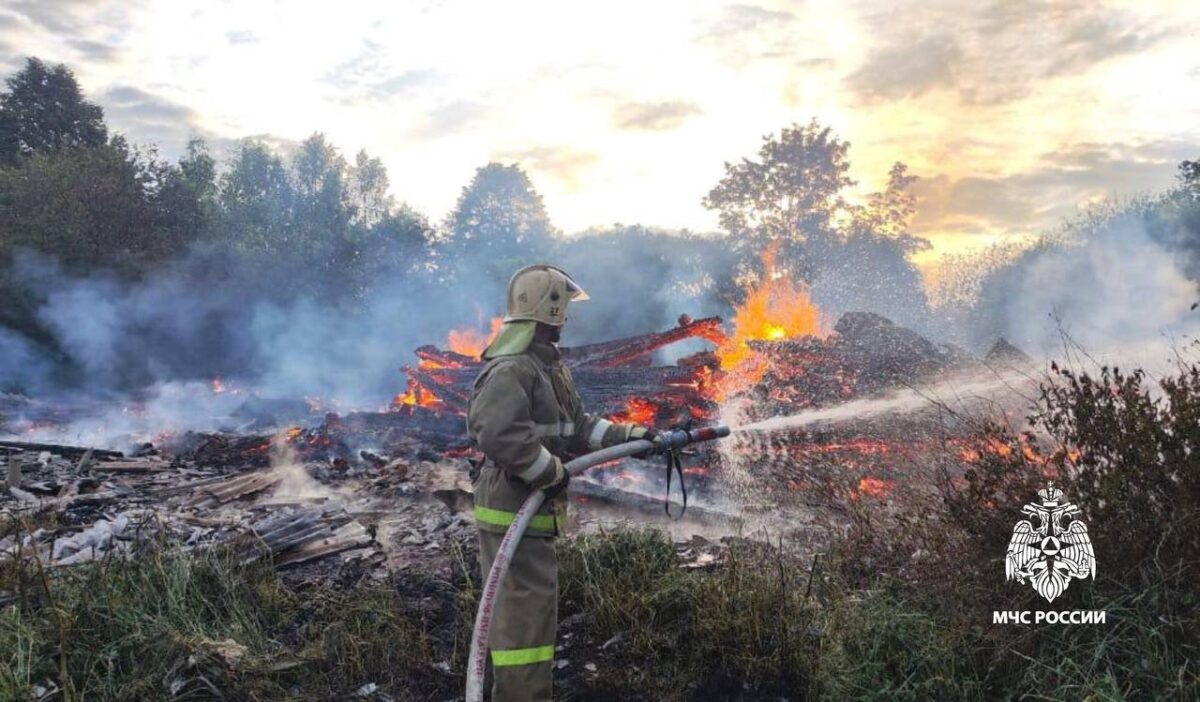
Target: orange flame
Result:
[[874, 487], [637, 411], [776, 308], [416, 396], [472, 342]]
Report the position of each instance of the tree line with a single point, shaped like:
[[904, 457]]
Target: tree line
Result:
[[307, 223]]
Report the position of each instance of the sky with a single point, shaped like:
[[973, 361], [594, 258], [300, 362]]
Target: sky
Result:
[[1014, 114]]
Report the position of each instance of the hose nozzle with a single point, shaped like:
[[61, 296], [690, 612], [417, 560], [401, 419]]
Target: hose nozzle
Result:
[[678, 438]]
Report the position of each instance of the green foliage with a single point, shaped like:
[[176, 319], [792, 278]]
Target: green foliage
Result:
[[43, 111], [90, 207], [367, 191], [1124, 453], [758, 627], [186, 193], [201, 626], [901, 607], [1189, 178], [498, 224], [879, 647], [790, 194], [792, 201], [255, 198], [1138, 469]]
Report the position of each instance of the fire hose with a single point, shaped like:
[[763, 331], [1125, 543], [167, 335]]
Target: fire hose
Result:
[[667, 442]]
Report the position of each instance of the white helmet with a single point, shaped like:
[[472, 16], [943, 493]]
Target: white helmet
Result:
[[540, 293]]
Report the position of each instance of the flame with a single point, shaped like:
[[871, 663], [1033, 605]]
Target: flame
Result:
[[638, 410], [472, 342], [466, 341], [775, 309], [217, 386], [874, 487], [415, 395]]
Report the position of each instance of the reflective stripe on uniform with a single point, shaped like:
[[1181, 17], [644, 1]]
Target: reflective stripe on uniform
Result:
[[596, 438], [496, 517], [535, 469], [523, 656], [563, 429]]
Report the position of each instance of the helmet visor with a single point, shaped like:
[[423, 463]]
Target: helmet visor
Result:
[[574, 292]]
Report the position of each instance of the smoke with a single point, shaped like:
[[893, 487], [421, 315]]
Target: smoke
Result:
[[149, 349], [119, 336], [1110, 287], [142, 354], [295, 483]]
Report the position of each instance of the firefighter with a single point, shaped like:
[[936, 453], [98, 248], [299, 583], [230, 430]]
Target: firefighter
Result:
[[525, 415]]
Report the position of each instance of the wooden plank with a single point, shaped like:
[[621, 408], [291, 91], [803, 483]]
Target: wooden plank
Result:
[[130, 467], [61, 449]]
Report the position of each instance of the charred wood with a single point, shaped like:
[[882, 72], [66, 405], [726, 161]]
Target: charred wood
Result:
[[622, 352], [60, 449]]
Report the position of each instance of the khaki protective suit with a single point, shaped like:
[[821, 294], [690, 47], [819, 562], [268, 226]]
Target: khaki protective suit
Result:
[[525, 415]]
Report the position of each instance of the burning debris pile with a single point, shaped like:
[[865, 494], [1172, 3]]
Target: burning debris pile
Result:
[[614, 378], [366, 488]]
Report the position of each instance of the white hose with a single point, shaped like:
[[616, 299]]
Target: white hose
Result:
[[491, 587]]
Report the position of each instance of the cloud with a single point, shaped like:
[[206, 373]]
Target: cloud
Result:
[[816, 63], [366, 77], [999, 52], [95, 51], [740, 19], [148, 118], [78, 18], [242, 36], [741, 33], [449, 118], [78, 32], [1092, 39], [1039, 198], [12, 22], [564, 163], [653, 116], [907, 68]]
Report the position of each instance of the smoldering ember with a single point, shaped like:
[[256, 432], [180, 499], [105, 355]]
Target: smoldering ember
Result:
[[278, 421]]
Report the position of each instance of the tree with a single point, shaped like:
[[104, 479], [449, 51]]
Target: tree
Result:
[[789, 196], [499, 215], [255, 197], [186, 193], [854, 257], [44, 110], [88, 207], [1189, 178], [889, 212], [320, 208], [367, 191], [396, 245]]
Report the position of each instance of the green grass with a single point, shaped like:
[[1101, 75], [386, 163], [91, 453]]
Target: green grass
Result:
[[195, 624], [188, 625]]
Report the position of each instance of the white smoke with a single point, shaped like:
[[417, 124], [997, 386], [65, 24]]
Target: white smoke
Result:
[[1116, 286]]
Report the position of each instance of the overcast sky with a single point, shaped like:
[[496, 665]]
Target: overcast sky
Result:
[[1013, 113]]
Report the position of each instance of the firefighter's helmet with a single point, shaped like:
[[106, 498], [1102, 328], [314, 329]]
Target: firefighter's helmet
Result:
[[540, 293]]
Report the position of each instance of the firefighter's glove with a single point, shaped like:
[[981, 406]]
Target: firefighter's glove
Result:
[[645, 434], [558, 483]]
